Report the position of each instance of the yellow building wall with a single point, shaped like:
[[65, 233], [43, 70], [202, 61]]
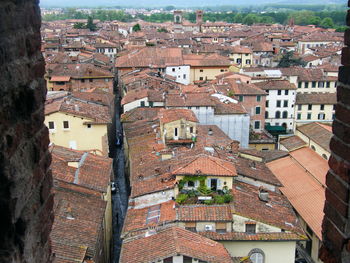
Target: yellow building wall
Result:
[[244, 58], [316, 109], [183, 129], [318, 149], [85, 138], [261, 146], [207, 74], [275, 252]]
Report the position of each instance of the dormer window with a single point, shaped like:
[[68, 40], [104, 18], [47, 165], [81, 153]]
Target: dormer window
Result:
[[250, 228]]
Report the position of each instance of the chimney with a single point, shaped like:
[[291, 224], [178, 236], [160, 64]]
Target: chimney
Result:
[[263, 194], [210, 131], [234, 146]]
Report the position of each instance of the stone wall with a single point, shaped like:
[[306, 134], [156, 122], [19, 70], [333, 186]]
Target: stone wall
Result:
[[25, 180], [336, 224]]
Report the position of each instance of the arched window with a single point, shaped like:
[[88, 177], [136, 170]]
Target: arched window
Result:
[[256, 255], [285, 115], [313, 148], [278, 114], [325, 156]]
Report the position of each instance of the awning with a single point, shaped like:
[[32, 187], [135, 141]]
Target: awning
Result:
[[60, 78]]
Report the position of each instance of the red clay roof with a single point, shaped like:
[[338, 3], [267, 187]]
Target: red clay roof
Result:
[[293, 142], [170, 115], [277, 212], [205, 213], [207, 165], [171, 242], [312, 162], [306, 194]]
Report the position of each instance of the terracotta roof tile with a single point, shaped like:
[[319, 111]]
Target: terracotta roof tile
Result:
[[207, 165], [170, 115], [317, 132], [306, 194], [277, 212], [292, 143], [198, 213], [316, 98], [171, 242]]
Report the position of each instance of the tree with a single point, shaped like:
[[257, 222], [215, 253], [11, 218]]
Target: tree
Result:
[[238, 18], [288, 60], [79, 25], [136, 28], [250, 19], [90, 24], [327, 22]]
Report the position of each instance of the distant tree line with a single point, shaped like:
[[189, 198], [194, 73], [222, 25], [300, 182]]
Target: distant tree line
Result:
[[326, 19]]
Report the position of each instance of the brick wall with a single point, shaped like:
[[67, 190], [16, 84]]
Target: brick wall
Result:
[[336, 224], [25, 180]]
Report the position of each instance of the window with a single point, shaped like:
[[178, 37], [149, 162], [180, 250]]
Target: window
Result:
[[248, 61], [322, 107], [314, 84], [142, 104], [320, 84], [201, 70], [309, 116], [239, 61], [306, 85], [106, 80], [257, 125], [250, 228], [285, 115], [328, 84], [257, 110], [191, 129], [200, 78], [279, 92], [65, 125], [90, 80], [190, 184], [191, 226], [333, 116], [278, 115], [286, 92], [197, 107], [51, 125], [258, 98], [83, 80], [321, 116], [89, 126], [285, 103], [299, 116], [313, 148], [266, 114], [241, 98], [267, 104], [278, 104], [299, 85], [184, 76], [256, 255], [299, 107], [150, 103], [176, 132], [222, 70], [309, 107], [220, 227], [334, 107], [173, 69], [324, 156]]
